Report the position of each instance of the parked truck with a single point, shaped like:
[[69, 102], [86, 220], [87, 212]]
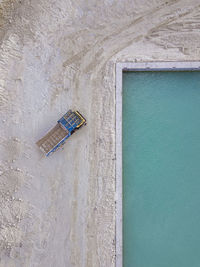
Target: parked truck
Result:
[[66, 126]]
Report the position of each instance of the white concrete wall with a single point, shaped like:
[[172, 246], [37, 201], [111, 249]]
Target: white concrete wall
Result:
[[60, 211]]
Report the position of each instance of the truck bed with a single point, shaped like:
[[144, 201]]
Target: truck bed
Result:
[[52, 138]]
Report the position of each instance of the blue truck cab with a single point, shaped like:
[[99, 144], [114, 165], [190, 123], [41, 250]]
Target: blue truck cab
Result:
[[66, 126]]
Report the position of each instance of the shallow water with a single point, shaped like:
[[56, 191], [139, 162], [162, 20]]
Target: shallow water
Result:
[[161, 169]]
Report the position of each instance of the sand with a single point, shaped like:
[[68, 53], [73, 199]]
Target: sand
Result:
[[55, 55]]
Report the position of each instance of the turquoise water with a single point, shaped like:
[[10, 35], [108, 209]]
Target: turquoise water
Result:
[[161, 169]]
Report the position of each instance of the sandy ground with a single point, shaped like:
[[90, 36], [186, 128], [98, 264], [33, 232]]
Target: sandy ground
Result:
[[55, 55]]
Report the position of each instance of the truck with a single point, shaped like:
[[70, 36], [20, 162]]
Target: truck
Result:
[[65, 127]]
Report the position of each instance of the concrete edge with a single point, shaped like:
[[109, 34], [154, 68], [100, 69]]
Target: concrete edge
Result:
[[118, 125], [130, 66]]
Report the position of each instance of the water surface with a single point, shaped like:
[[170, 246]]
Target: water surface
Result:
[[161, 169]]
